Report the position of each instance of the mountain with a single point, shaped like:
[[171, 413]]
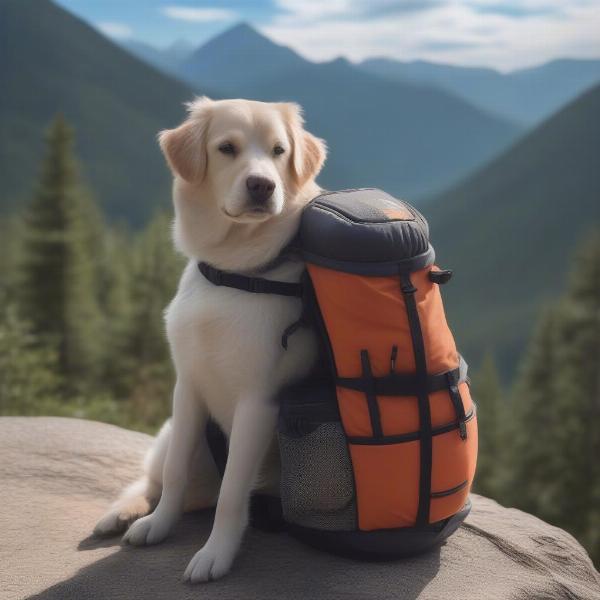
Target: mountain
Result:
[[50, 62], [411, 140], [509, 231], [165, 59], [525, 96], [237, 56]]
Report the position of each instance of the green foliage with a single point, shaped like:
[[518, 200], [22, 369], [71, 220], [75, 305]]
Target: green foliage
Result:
[[58, 284], [28, 370], [555, 471], [82, 331], [143, 371], [492, 415], [11, 234]]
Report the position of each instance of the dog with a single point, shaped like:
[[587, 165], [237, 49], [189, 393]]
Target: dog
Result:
[[243, 171]]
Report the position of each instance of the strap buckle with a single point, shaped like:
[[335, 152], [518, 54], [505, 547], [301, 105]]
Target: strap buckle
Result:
[[440, 277], [254, 285]]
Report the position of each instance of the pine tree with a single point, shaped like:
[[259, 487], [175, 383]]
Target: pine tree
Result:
[[58, 284], [156, 270], [117, 279], [578, 389], [556, 446], [535, 414], [28, 379], [491, 421], [11, 234]]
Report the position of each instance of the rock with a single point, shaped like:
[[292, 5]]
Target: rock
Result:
[[57, 477]]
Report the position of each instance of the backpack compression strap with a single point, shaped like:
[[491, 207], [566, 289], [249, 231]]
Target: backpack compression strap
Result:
[[255, 285]]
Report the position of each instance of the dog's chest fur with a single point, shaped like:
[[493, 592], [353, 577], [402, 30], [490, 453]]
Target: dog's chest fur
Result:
[[228, 342]]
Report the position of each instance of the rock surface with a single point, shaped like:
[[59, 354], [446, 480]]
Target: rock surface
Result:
[[57, 476]]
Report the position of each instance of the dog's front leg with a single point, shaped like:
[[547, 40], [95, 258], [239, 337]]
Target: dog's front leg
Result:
[[252, 431], [189, 419]]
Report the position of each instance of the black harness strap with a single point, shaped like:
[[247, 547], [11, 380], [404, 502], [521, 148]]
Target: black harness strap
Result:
[[255, 285]]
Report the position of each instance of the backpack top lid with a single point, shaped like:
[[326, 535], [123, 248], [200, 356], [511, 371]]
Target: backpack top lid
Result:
[[365, 231]]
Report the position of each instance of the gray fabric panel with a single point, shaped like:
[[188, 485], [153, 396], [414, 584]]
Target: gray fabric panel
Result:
[[359, 226]]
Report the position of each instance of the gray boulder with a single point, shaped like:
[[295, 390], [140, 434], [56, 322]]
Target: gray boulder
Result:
[[57, 476]]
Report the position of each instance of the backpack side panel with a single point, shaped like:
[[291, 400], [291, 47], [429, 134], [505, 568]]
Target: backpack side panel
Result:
[[369, 313]]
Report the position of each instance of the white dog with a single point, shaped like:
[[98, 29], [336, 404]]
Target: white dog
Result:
[[243, 171]]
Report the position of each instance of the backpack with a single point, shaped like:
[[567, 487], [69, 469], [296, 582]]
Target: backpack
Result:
[[377, 458], [378, 449]]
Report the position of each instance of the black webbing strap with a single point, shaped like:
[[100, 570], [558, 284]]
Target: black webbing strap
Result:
[[398, 384], [369, 391], [255, 285], [426, 443], [452, 383]]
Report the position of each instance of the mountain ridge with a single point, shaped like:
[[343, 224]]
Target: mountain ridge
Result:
[[526, 96], [408, 133], [510, 229], [380, 132]]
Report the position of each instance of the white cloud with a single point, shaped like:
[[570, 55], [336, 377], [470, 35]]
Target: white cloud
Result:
[[112, 29], [198, 15], [311, 11], [470, 32]]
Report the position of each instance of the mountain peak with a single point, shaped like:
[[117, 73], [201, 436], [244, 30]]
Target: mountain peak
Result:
[[340, 61], [243, 27], [242, 31], [238, 54]]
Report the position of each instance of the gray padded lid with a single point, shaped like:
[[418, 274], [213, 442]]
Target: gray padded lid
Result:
[[365, 231]]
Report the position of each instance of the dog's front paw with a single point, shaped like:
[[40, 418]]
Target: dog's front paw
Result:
[[120, 518], [211, 562], [147, 530]]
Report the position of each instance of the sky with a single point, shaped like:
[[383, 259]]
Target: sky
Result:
[[503, 34]]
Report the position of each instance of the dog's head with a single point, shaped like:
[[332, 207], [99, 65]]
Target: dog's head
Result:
[[248, 158]]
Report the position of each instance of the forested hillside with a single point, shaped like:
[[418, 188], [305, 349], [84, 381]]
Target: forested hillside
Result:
[[52, 62]]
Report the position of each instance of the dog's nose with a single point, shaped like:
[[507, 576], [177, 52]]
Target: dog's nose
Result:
[[260, 188]]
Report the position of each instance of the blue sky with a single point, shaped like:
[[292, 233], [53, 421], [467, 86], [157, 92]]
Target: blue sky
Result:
[[504, 34]]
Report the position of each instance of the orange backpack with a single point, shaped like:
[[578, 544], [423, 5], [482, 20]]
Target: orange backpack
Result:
[[379, 453]]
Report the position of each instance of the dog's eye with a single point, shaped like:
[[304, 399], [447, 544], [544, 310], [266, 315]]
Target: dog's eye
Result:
[[278, 149], [227, 148]]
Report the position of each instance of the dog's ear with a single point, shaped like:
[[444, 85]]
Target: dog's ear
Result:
[[308, 152], [185, 146]]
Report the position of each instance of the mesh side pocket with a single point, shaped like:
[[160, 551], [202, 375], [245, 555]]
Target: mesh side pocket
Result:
[[317, 486]]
